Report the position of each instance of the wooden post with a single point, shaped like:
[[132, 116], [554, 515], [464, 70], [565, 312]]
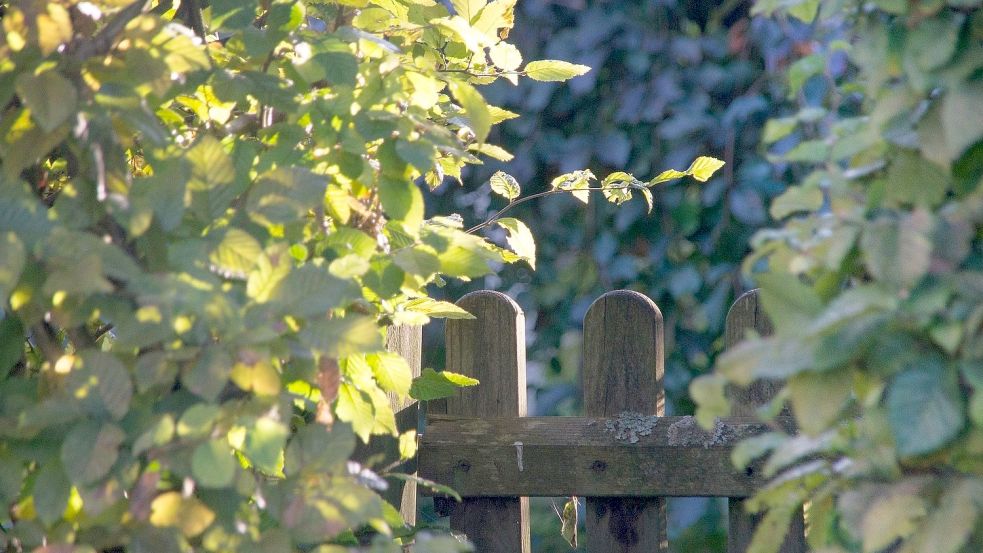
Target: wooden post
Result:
[[408, 342], [623, 368], [491, 348], [747, 313]]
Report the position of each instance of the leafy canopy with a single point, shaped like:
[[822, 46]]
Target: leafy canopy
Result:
[[209, 214], [873, 283]]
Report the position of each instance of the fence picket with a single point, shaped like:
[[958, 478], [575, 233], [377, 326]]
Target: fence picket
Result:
[[623, 369], [745, 314], [491, 348], [407, 341]]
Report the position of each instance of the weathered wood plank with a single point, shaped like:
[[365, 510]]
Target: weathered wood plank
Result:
[[586, 456], [623, 369], [408, 342], [491, 348], [746, 314]]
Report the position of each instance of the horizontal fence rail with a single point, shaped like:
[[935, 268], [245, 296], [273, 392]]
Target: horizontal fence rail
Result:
[[587, 456]]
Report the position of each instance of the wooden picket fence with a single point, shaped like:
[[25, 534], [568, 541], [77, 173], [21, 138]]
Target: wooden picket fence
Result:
[[624, 457]]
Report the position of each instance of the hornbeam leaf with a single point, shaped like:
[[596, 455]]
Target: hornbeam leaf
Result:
[[666, 176], [520, 239], [505, 185], [50, 96], [475, 108], [90, 450], [704, 167], [435, 385], [554, 70]]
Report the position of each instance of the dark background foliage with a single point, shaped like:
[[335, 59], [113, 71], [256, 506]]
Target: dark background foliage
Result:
[[670, 81]]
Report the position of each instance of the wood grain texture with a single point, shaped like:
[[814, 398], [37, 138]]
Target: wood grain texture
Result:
[[623, 370], [748, 314], [583, 456], [407, 341], [491, 348]]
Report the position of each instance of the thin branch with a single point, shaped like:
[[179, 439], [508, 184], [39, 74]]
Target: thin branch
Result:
[[103, 42], [498, 214]]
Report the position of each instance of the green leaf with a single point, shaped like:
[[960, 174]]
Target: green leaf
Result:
[[475, 109], [647, 194], [417, 260], [284, 196], [197, 421], [505, 56], [315, 448], [800, 71], [947, 527], [788, 301], [892, 516], [392, 372], [159, 433], [916, 181], [924, 409], [962, 120], [189, 515], [236, 254], [12, 258], [778, 128], [51, 492], [796, 199], [264, 444], [492, 151], [11, 343], [709, 393], [349, 266], [103, 383], [505, 185], [520, 239], [439, 488], [310, 291], [577, 182], [468, 9], [50, 96], [435, 385], [898, 251], [704, 167], [209, 374], [755, 447], [402, 200], [213, 465], [353, 407], [90, 450], [211, 169], [667, 175], [342, 337], [554, 70], [818, 398], [437, 308]]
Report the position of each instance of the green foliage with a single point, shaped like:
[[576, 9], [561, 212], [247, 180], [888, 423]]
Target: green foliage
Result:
[[873, 283], [209, 213]]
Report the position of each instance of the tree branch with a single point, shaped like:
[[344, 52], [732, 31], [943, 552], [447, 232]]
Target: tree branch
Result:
[[104, 40], [498, 214]]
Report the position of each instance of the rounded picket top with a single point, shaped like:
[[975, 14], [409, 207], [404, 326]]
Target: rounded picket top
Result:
[[623, 355], [492, 348], [746, 313]]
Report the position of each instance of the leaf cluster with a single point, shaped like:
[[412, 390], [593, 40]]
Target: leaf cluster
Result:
[[872, 283]]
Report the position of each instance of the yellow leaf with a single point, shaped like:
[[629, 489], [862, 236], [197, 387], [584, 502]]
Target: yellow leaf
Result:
[[191, 516], [704, 167]]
